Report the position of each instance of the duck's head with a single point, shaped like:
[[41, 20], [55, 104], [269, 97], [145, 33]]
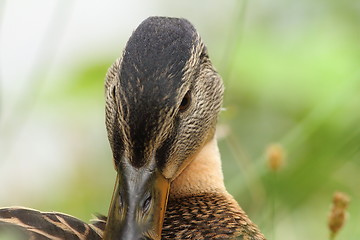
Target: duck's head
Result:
[[162, 101]]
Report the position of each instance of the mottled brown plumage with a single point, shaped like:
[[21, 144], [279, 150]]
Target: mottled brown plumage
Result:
[[162, 100], [207, 216]]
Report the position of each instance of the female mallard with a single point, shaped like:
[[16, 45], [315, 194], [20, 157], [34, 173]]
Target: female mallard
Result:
[[162, 101]]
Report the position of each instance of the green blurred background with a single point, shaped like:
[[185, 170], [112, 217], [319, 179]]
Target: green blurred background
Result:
[[292, 77]]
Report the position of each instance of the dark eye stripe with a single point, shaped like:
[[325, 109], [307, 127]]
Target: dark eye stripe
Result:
[[162, 154]]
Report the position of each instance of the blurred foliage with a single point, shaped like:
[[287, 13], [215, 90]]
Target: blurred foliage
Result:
[[297, 87], [291, 72]]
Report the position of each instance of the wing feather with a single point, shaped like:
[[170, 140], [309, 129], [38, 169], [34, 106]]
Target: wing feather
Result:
[[30, 224]]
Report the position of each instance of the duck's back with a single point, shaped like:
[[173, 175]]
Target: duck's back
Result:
[[208, 216]]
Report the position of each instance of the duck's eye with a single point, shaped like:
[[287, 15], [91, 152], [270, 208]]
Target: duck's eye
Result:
[[113, 92], [185, 103]]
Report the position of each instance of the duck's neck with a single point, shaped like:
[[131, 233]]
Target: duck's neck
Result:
[[202, 175]]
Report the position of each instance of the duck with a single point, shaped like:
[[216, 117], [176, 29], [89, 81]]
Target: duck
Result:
[[162, 100]]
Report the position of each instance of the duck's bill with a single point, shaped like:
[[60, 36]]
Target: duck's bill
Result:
[[138, 205]]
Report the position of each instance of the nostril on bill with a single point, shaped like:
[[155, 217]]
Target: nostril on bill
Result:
[[147, 203]]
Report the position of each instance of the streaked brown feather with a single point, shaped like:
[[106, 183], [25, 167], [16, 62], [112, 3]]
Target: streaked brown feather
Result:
[[32, 224]]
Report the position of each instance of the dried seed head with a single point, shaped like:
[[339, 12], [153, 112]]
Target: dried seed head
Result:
[[338, 212], [275, 155], [341, 200]]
